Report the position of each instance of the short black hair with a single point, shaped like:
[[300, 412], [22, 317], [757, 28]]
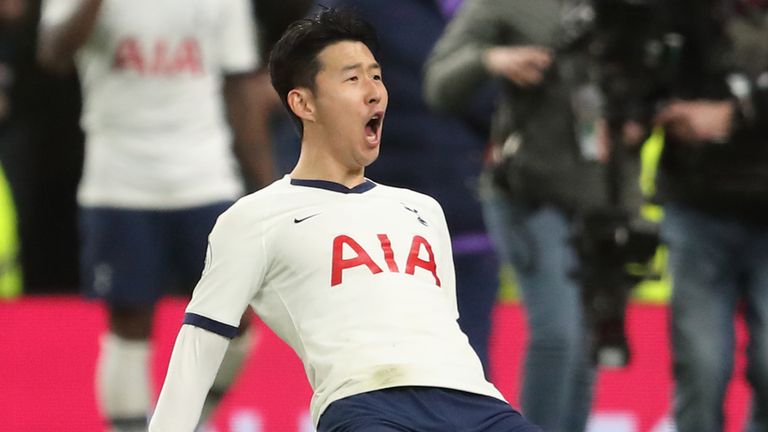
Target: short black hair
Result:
[[293, 62]]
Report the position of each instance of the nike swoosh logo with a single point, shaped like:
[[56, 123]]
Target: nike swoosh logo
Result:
[[296, 220]]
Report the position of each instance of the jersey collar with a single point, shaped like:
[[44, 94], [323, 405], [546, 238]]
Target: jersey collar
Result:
[[335, 187]]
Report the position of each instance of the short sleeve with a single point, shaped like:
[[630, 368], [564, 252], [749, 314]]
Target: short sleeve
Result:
[[53, 12], [234, 269], [237, 38]]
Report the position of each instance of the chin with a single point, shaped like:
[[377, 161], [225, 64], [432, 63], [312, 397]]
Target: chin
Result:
[[370, 156]]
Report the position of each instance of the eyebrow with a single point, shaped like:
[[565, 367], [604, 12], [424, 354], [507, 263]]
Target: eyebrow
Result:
[[360, 65]]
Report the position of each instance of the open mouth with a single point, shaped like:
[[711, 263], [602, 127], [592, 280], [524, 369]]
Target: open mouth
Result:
[[373, 126]]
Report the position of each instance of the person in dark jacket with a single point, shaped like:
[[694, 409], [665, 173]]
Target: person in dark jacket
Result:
[[544, 172], [713, 182]]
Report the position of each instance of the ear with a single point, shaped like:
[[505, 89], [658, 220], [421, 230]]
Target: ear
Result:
[[302, 103]]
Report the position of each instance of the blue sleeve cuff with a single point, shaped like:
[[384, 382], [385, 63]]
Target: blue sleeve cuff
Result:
[[213, 326]]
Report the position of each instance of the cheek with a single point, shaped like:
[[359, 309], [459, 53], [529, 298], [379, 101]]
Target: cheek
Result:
[[338, 112]]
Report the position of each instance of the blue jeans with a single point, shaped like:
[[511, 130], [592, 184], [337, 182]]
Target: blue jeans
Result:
[[558, 377], [719, 266]]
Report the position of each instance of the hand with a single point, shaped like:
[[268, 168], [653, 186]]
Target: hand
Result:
[[697, 122], [523, 65]]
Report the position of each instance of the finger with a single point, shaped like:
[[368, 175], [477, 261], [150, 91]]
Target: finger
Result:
[[540, 60], [517, 73], [528, 76]]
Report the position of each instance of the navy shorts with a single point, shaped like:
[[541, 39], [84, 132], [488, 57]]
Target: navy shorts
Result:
[[133, 257], [422, 409]]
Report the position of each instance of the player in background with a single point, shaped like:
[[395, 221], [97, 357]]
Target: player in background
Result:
[[357, 277], [167, 89]]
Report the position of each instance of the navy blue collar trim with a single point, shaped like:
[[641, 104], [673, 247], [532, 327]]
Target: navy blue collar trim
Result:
[[335, 187]]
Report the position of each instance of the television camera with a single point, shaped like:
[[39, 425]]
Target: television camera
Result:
[[634, 55]]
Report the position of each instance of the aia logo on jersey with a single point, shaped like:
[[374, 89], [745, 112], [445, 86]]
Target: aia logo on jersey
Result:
[[363, 258], [162, 57]]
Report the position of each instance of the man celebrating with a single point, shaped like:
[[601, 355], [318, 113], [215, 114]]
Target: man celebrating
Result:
[[355, 276]]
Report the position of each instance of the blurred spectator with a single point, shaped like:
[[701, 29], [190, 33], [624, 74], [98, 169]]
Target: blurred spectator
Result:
[[713, 182], [42, 164], [543, 170], [160, 82], [435, 154]]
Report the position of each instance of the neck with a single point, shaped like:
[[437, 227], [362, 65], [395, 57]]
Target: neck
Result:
[[316, 164]]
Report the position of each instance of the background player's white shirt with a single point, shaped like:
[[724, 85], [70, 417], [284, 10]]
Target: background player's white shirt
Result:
[[156, 128], [360, 283]]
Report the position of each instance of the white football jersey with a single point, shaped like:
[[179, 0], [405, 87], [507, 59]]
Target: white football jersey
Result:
[[151, 77], [359, 282]]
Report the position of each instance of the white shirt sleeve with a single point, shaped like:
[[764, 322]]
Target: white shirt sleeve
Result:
[[235, 264], [195, 361], [234, 267], [55, 11], [238, 43]]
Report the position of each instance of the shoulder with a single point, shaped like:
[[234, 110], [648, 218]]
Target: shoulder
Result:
[[256, 206], [410, 195]]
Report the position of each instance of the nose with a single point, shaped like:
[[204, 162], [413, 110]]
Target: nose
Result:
[[375, 91]]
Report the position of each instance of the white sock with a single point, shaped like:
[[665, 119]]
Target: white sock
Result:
[[122, 382], [237, 352]]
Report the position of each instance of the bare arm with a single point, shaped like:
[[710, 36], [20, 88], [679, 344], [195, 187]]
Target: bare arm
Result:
[[250, 99], [58, 43]]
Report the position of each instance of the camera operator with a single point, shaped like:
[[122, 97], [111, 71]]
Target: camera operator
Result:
[[543, 171], [713, 182]]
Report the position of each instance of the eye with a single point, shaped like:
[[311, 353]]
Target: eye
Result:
[[353, 78], [377, 77]]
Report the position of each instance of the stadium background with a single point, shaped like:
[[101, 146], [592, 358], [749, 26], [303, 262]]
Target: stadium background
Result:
[[49, 335], [49, 348]]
